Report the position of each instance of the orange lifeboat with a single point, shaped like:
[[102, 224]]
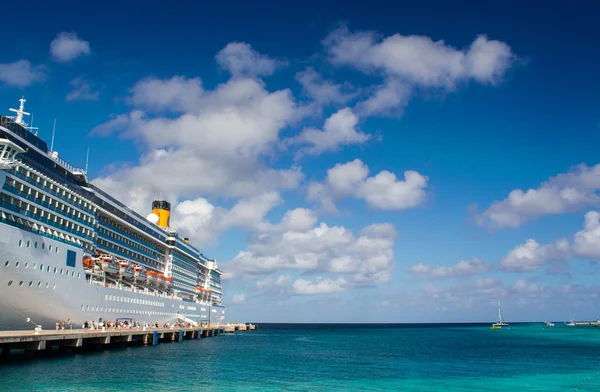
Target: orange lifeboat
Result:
[[88, 262]]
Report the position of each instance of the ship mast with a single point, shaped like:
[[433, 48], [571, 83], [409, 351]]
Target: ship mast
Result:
[[20, 112]]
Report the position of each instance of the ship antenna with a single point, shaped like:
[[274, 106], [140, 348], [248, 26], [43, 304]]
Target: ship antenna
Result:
[[53, 130], [31, 127], [87, 159]]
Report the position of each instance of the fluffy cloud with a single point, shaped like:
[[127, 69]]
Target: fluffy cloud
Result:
[[201, 221], [21, 73], [463, 268], [531, 256], [368, 258], [241, 60], [319, 286], [340, 129], [587, 242], [323, 91], [383, 191], [82, 91], [67, 46], [567, 192], [216, 148], [412, 61], [177, 94]]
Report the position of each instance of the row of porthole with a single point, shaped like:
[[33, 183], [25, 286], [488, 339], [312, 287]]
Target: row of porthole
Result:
[[130, 311], [26, 265], [136, 301], [35, 245], [39, 284]]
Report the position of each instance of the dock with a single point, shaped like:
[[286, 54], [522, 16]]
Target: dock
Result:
[[69, 341]]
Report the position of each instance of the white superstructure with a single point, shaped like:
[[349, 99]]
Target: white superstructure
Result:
[[70, 252]]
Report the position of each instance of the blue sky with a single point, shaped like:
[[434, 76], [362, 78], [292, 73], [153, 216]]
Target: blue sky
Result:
[[343, 163]]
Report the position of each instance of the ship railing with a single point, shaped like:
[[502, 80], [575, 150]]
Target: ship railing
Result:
[[68, 166]]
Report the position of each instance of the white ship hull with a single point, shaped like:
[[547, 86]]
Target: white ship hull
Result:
[[45, 289]]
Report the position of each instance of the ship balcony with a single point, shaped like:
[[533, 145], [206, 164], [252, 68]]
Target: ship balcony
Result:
[[35, 202]]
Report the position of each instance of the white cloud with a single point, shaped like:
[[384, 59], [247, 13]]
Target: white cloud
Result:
[[67, 46], [82, 91], [587, 241], [412, 61], [368, 258], [531, 256], [383, 191], [567, 192], [21, 73], [340, 129], [463, 268], [203, 222], [217, 148], [238, 298], [241, 60], [323, 91], [177, 94], [319, 286]]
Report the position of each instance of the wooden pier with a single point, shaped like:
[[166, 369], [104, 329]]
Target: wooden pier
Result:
[[46, 341]]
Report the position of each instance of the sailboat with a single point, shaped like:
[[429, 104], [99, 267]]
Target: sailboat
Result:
[[500, 322], [571, 323]]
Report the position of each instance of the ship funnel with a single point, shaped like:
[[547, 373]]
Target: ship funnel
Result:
[[162, 209]]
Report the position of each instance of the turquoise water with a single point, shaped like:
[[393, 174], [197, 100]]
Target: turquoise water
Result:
[[525, 357]]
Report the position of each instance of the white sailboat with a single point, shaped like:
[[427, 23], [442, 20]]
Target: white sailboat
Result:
[[500, 322], [571, 323]]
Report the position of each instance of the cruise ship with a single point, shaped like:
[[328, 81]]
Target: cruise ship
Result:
[[69, 252]]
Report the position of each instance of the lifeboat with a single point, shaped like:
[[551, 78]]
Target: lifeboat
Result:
[[151, 277], [125, 270], [168, 282], [88, 261], [139, 273], [109, 265]]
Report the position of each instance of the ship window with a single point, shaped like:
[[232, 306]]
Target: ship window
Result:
[[78, 275], [61, 271], [20, 283], [39, 283], [41, 267], [10, 282], [48, 269], [33, 266], [26, 265], [6, 263], [50, 248], [30, 283], [55, 269], [35, 245], [47, 284], [20, 243], [17, 264], [43, 245]]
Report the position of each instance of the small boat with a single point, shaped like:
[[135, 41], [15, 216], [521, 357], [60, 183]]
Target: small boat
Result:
[[109, 265], [125, 270], [151, 278], [571, 323], [500, 322], [548, 324], [140, 274], [88, 261]]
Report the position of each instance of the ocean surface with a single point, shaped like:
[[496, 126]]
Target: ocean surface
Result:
[[279, 357]]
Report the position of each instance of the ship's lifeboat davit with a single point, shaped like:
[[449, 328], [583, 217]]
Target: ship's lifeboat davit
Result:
[[151, 278], [139, 273], [125, 270], [108, 265]]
